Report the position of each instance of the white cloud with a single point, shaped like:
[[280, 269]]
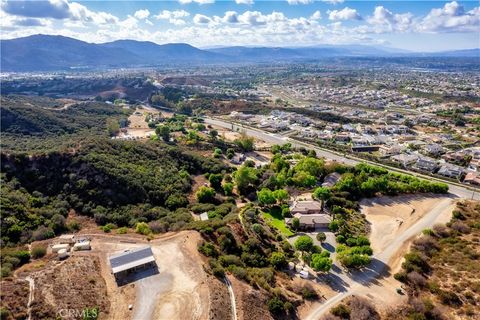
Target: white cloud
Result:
[[294, 2], [230, 17], [197, 1], [174, 17], [344, 14], [142, 14], [451, 18], [56, 9], [333, 1], [130, 22], [256, 18], [248, 2], [386, 21], [317, 15], [201, 19]]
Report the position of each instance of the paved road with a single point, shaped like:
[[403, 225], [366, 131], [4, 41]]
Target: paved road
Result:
[[348, 283], [459, 191]]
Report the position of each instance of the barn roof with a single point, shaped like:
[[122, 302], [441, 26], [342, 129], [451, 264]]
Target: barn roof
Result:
[[131, 259]]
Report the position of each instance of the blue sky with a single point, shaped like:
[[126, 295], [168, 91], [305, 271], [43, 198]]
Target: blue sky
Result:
[[411, 25]]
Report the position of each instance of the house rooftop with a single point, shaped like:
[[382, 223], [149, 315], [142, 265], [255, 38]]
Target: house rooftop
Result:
[[306, 205], [314, 218]]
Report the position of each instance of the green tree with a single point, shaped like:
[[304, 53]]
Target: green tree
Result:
[[142, 228], [313, 166], [245, 142], [321, 236], [320, 263], [205, 194], [215, 180], [163, 132], [113, 127], [245, 177], [265, 197], [278, 260], [213, 134], [304, 243], [323, 194], [280, 195], [304, 179], [228, 188]]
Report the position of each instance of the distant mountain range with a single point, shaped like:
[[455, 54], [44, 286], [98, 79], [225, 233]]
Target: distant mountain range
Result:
[[50, 53]]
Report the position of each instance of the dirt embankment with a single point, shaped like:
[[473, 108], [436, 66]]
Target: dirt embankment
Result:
[[14, 298], [251, 304], [69, 287], [220, 307]]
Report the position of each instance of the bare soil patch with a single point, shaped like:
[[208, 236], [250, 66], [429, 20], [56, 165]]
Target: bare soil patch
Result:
[[390, 216], [220, 306], [251, 303], [73, 284], [14, 298], [179, 290]]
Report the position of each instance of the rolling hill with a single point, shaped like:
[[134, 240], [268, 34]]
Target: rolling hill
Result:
[[51, 53]]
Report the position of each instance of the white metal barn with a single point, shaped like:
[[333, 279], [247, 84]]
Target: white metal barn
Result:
[[132, 260]]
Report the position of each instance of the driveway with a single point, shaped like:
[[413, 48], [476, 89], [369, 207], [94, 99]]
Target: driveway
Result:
[[348, 282]]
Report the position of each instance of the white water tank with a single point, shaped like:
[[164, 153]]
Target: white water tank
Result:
[[62, 253]]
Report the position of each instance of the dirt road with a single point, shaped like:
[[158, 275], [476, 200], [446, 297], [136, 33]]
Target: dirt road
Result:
[[350, 283]]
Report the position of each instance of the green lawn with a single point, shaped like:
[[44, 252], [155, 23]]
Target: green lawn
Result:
[[275, 219]]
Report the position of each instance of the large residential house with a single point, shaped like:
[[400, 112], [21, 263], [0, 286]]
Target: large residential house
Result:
[[405, 159], [451, 171], [426, 164], [472, 178], [434, 149], [306, 207], [310, 215], [312, 221]]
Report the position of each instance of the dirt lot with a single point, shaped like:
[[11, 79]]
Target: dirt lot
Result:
[[390, 216], [178, 291], [229, 135], [220, 307]]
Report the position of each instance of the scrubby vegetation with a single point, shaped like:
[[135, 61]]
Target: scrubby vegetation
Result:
[[40, 124], [114, 182], [159, 185], [441, 270]]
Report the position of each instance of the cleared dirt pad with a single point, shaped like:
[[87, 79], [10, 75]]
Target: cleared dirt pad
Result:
[[178, 291], [390, 216]]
